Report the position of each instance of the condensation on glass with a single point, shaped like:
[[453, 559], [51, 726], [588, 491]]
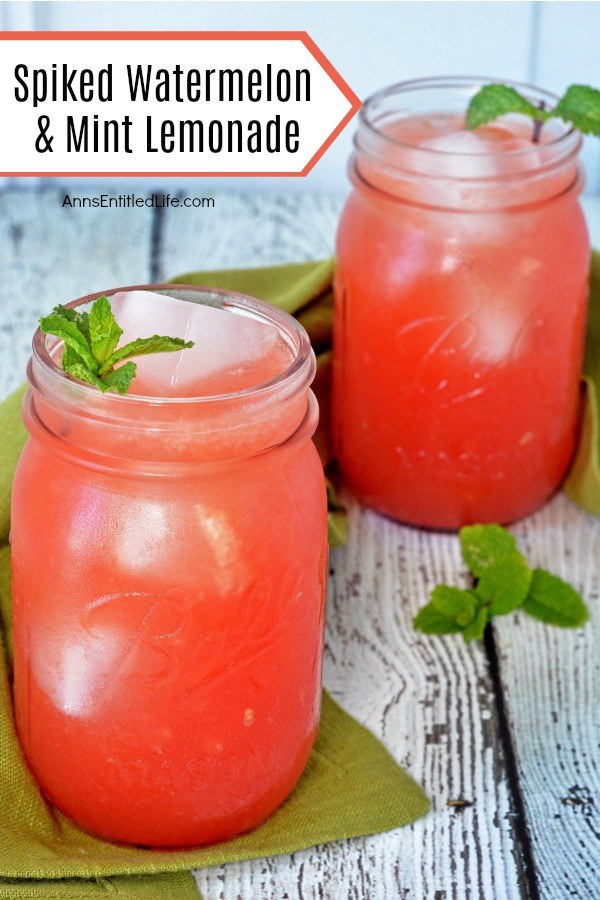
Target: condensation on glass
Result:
[[169, 561]]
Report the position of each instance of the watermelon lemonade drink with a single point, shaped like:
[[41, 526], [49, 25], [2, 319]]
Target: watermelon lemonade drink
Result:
[[461, 292], [169, 558]]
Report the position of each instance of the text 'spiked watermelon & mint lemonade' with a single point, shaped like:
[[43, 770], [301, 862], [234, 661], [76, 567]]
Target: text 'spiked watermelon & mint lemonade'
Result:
[[169, 560]]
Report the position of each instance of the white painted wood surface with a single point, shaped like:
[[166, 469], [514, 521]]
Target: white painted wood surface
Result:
[[432, 701], [551, 680]]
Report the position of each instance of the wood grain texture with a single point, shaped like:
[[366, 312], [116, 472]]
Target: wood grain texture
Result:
[[245, 230], [551, 680], [429, 700], [50, 254]]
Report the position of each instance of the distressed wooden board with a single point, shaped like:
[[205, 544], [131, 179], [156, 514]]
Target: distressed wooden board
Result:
[[429, 700], [244, 230], [551, 680], [50, 254]]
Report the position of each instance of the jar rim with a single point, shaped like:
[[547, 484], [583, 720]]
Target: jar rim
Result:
[[359, 182], [467, 82], [288, 326]]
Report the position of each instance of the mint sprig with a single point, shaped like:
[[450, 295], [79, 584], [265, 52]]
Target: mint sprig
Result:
[[579, 106], [554, 601], [91, 349], [502, 582]]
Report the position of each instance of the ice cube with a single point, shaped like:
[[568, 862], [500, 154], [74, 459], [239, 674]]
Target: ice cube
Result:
[[499, 333], [480, 154], [229, 349], [141, 536], [74, 670], [468, 168]]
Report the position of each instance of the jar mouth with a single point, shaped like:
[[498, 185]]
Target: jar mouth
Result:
[[377, 109], [289, 328]]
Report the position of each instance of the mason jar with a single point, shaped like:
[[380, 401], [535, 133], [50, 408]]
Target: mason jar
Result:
[[461, 289], [169, 561]]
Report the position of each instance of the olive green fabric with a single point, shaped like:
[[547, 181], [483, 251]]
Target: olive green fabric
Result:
[[290, 287], [351, 787], [583, 481], [170, 886], [12, 438]]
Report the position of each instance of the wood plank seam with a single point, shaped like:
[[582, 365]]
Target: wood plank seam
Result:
[[431, 701], [521, 825], [156, 245]]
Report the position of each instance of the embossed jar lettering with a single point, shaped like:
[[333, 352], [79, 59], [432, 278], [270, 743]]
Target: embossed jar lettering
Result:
[[169, 559]]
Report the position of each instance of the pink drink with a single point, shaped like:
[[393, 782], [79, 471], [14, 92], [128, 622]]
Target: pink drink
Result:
[[461, 296], [169, 564]]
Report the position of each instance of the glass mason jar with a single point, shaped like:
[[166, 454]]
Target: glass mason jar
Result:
[[461, 291], [169, 563]]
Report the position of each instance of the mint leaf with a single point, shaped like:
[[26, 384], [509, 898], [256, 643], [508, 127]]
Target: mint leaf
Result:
[[454, 603], [73, 366], [555, 602], [474, 630], [452, 610], [70, 359], [90, 345], [120, 379], [82, 320], [103, 330], [580, 106], [494, 100], [71, 315], [504, 582], [483, 545], [430, 620], [69, 333], [504, 585], [142, 346]]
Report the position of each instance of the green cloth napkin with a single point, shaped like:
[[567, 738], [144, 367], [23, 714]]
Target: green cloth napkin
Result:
[[351, 787], [304, 289], [290, 287], [583, 481]]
